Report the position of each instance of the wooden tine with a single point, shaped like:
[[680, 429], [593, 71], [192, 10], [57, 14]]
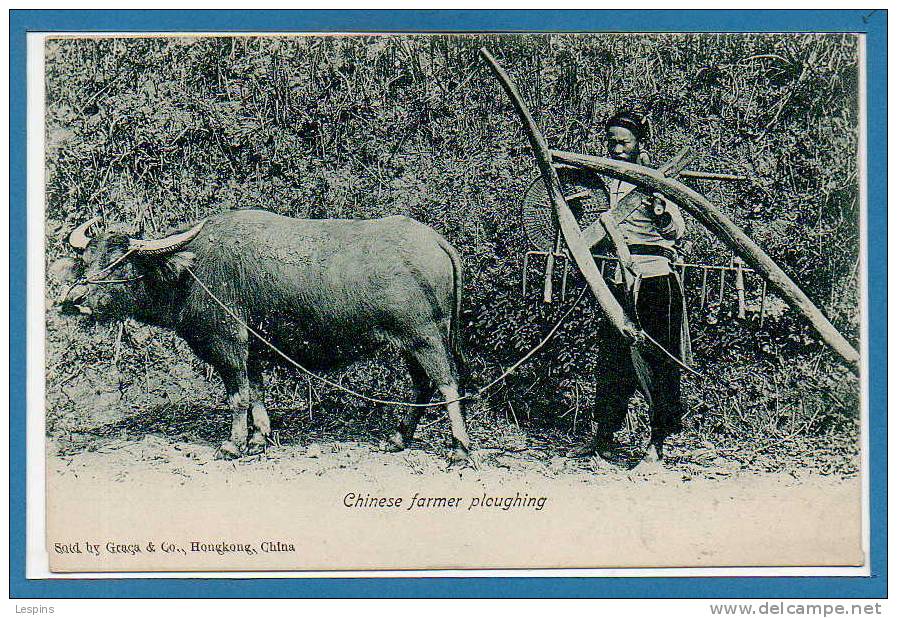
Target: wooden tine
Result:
[[525, 271], [739, 287], [564, 274], [762, 302], [703, 287], [722, 285], [547, 288]]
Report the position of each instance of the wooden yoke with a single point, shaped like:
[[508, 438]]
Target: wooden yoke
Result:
[[565, 219]]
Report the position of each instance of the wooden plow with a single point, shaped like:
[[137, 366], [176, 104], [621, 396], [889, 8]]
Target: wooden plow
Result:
[[580, 241]]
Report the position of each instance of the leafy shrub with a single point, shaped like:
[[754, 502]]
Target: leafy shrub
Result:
[[156, 132]]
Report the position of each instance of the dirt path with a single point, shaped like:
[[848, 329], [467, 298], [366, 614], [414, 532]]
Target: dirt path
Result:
[[306, 497]]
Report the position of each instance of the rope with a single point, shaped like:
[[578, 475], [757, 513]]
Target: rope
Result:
[[672, 357], [97, 278], [504, 374], [676, 360]]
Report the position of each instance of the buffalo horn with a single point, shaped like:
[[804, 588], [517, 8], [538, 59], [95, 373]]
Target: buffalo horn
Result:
[[79, 238], [169, 244]]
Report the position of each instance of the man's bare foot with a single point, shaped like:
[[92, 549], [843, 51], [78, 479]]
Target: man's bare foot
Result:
[[651, 463], [595, 447], [583, 451]]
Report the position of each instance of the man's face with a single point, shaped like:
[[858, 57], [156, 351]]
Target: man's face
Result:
[[622, 144]]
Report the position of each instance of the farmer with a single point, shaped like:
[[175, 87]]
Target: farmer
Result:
[[652, 295]]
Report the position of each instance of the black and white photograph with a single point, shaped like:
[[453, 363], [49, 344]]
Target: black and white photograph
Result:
[[325, 302]]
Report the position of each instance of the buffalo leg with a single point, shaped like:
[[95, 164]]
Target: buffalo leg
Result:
[[423, 391], [237, 386], [228, 355], [431, 353], [461, 452], [232, 367], [260, 422]]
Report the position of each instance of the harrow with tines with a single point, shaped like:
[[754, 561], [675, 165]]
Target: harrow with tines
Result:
[[588, 196], [735, 271]]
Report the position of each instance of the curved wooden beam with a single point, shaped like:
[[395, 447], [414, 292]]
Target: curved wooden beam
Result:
[[566, 221], [724, 229]]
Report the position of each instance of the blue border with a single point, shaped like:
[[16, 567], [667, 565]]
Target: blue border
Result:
[[873, 23]]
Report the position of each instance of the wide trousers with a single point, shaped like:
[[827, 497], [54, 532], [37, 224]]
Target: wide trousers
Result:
[[659, 310]]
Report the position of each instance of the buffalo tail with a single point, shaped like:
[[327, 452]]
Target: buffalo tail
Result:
[[455, 344]]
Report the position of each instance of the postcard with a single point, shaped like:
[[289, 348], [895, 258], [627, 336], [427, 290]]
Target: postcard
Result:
[[366, 302]]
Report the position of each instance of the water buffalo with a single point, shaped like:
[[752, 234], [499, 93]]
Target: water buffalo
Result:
[[325, 292]]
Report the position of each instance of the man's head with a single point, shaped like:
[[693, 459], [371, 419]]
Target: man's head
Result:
[[625, 133]]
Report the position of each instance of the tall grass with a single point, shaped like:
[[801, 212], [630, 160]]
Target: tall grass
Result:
[[159, 131]]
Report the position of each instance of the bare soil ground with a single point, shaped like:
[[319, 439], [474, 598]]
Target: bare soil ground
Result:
[[710, 506], [131, 455], [183, 439]]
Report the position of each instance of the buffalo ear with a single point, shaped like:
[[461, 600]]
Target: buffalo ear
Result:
[[172, 265]]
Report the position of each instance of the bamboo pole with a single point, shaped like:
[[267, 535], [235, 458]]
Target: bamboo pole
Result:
[[696, 174], [718, 223], [699, 175], [564, 217]]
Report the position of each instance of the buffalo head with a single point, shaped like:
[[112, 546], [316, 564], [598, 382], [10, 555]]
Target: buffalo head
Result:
[[118, 270]]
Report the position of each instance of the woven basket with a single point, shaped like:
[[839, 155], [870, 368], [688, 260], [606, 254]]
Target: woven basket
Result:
[[586, 194]]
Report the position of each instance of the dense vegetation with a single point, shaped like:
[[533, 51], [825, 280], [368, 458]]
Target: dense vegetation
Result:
[[156, 132]]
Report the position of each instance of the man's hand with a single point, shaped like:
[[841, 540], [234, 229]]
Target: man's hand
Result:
[[658, 204]]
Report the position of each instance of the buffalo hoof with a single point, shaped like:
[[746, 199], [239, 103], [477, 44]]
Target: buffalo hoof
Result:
[[228, 450], [257, 444], [393, 444], [460, 457]]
